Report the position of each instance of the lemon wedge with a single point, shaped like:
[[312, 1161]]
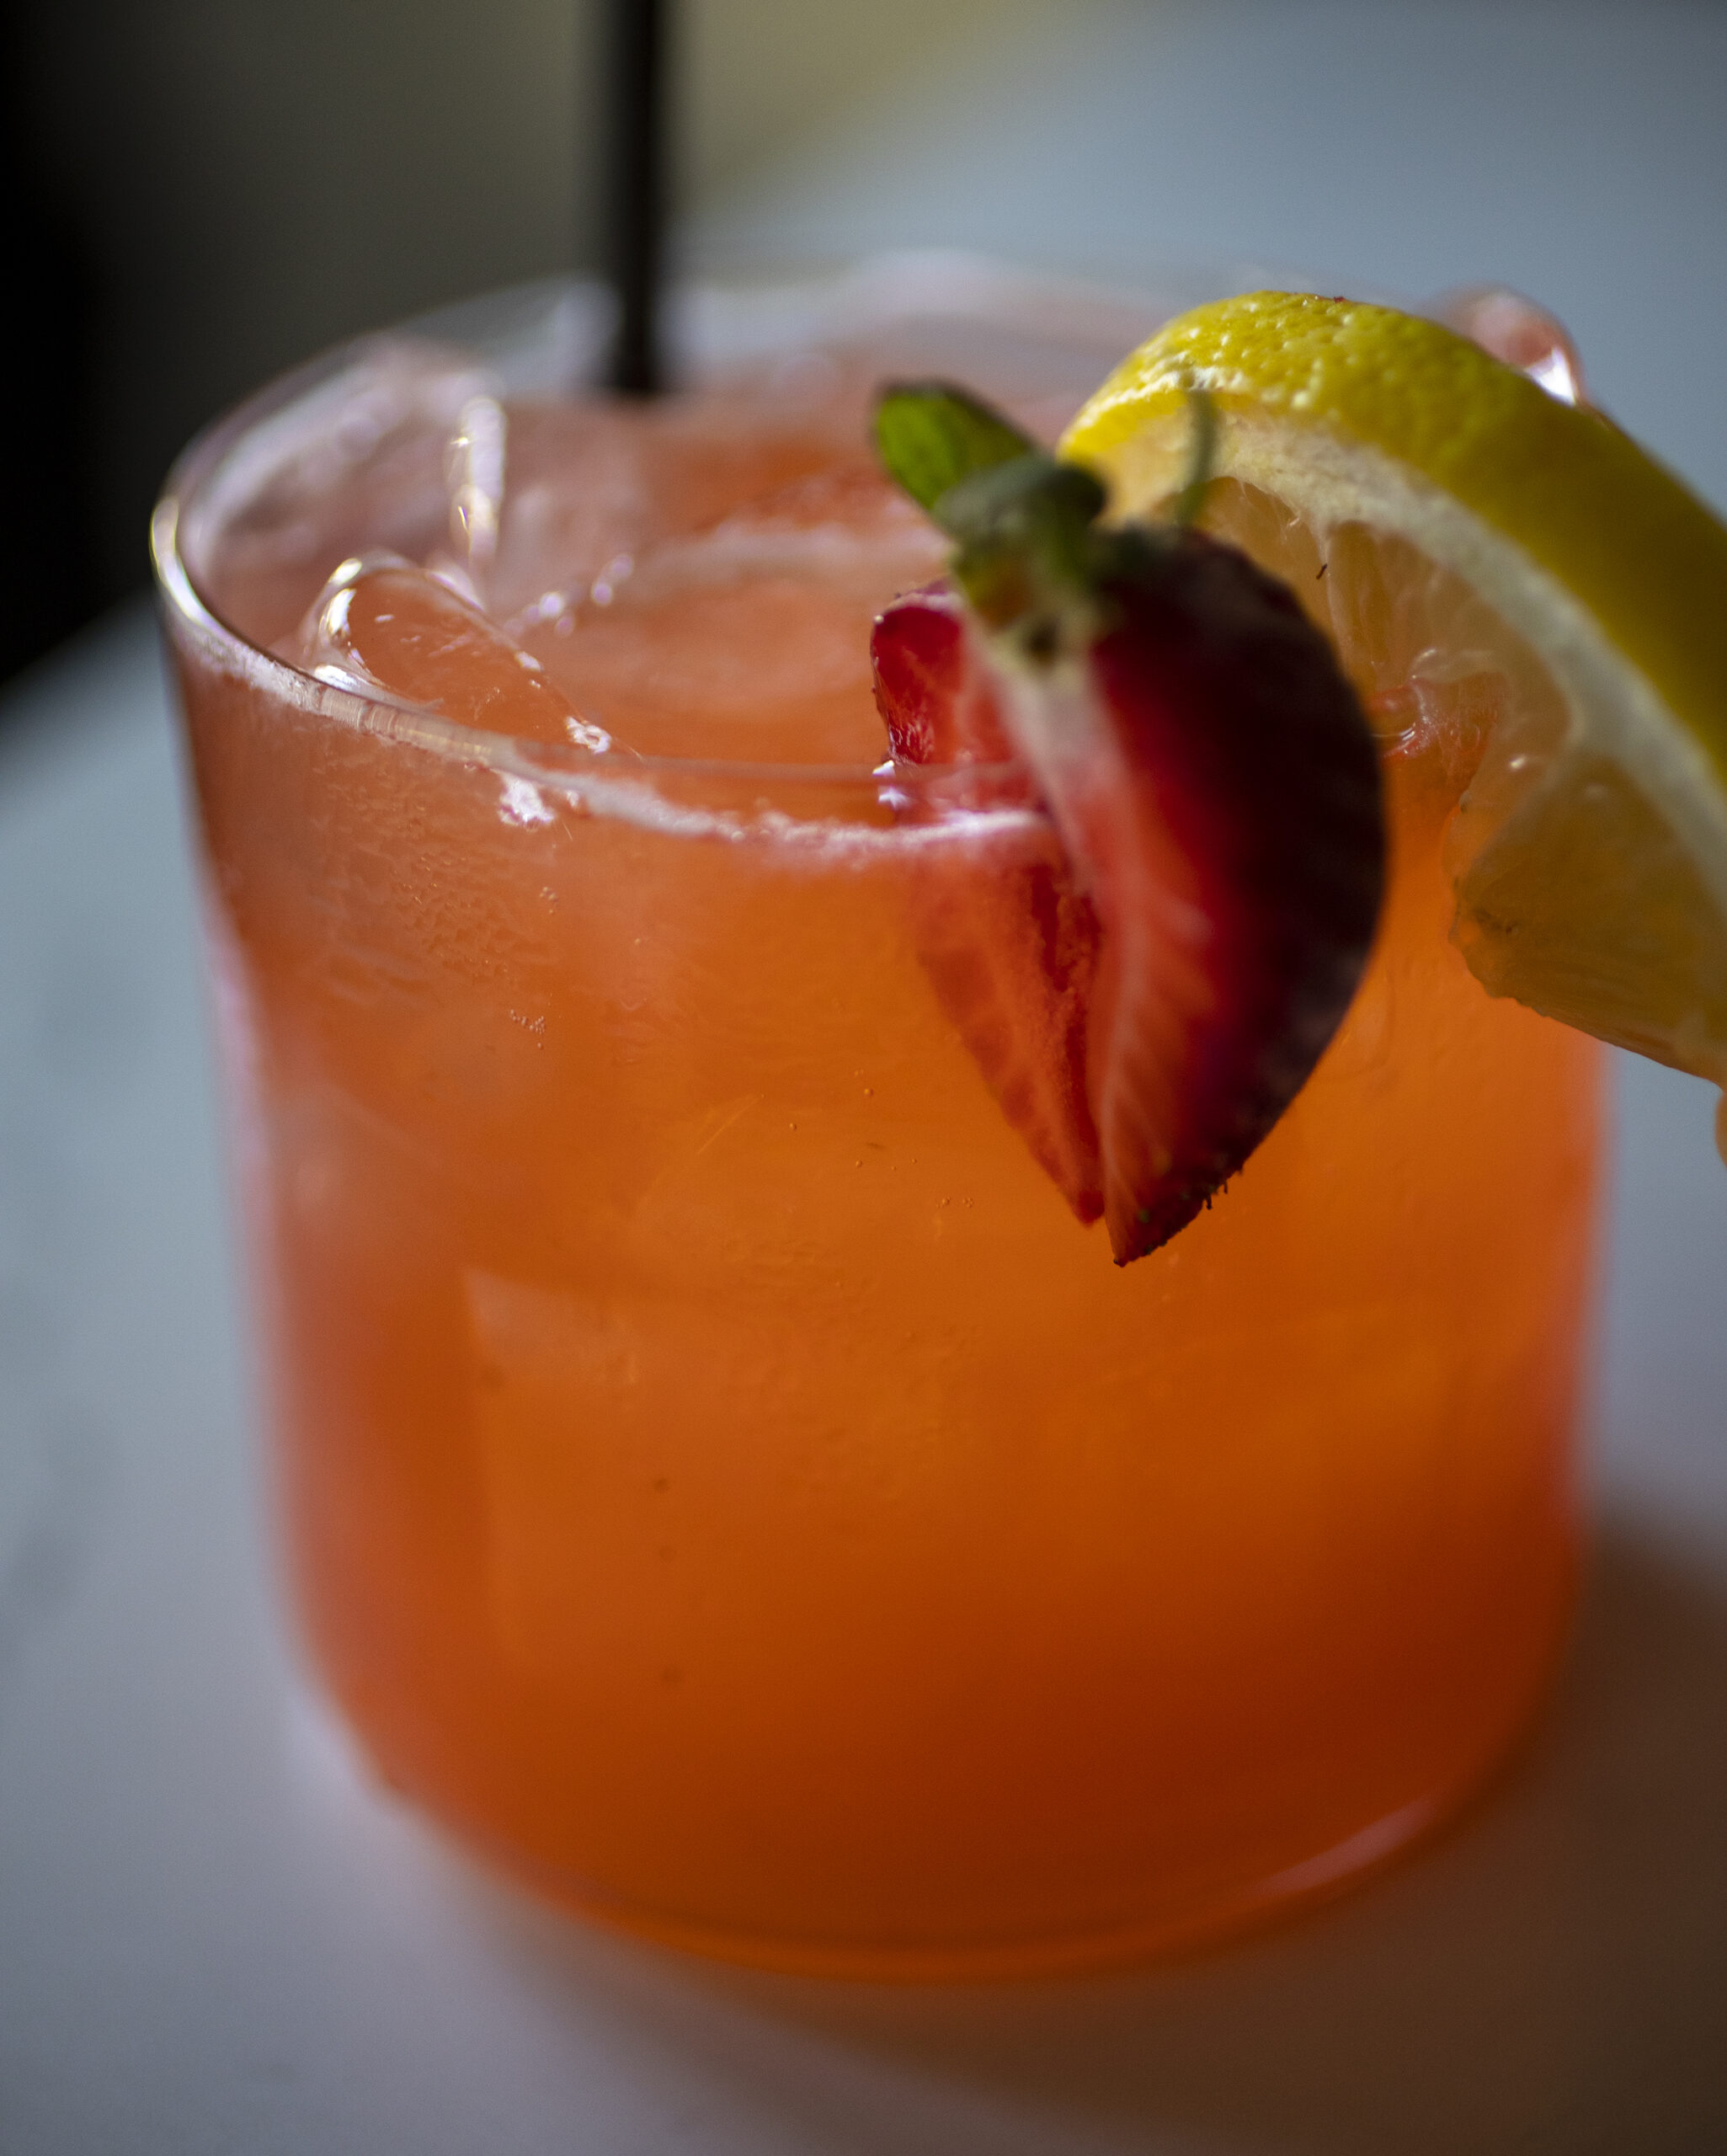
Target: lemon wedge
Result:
[[1508, 576]]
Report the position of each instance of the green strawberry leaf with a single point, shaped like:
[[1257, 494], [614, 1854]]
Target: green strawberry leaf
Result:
[[931, 435], [1027, 543], [1031, 554]]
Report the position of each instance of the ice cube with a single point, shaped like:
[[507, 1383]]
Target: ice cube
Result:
[[382, 626], [748, 640], [590, 483], [354, 464], [1515, 329], [473, 472]]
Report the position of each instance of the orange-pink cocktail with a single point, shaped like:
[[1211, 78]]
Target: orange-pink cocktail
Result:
[[721, 1477]]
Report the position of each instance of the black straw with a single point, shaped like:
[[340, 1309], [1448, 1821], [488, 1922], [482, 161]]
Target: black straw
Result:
[[635, 178]]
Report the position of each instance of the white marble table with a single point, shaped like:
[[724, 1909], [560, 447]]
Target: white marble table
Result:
[[215, 1938]]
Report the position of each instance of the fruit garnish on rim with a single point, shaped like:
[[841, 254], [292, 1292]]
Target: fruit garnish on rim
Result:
[[1148, 1010], [1503, 569]]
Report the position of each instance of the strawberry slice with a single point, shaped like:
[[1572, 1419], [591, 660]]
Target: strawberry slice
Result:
[[937, 707], [1215, 789]]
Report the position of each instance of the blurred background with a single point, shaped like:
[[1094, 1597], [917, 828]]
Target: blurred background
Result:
[[202, 192]]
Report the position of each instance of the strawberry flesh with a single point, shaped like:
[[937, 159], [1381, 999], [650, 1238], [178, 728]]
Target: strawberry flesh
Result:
[[1008, 940], [938, 709], [1010, 946]]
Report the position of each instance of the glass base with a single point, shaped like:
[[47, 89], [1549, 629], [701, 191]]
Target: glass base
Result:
[[1180, 1928]]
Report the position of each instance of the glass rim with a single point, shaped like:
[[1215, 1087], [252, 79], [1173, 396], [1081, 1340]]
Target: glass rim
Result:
[[570, 317]]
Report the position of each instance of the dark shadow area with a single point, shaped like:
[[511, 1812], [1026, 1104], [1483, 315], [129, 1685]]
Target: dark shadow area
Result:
[[201, 193], [1551, 1975], [47, 547]]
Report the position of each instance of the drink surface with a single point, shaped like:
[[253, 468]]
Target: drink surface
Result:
[[721, 1477]]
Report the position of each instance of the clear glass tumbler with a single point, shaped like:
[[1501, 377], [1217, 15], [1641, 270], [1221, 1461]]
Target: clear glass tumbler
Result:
[[720, 1480]]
